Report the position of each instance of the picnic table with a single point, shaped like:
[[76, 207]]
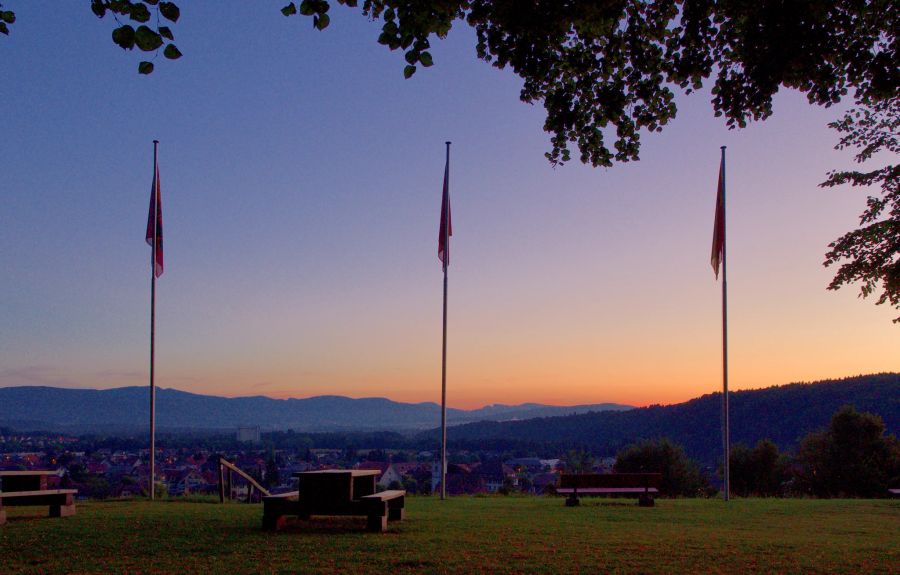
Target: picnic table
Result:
[[26, 488], [336, 492]]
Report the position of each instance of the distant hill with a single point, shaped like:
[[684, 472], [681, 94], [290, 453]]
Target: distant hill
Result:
[[127, 408], [783, 414]]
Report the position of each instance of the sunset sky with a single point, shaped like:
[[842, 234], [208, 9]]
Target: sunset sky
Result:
[[301, 179]]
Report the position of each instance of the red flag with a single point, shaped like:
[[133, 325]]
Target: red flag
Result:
[[446, 229], [718, 243], [157, 230]]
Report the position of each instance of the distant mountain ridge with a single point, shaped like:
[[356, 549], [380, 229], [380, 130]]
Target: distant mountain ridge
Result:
[[80, 410], [783, 414]]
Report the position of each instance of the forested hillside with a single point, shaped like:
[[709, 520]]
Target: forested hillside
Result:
[[783, 414]]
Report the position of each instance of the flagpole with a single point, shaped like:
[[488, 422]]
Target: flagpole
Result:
[[725, 419], [153, 323], [446, 226]]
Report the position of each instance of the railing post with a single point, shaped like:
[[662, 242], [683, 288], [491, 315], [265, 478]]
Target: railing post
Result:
[[221, 482]]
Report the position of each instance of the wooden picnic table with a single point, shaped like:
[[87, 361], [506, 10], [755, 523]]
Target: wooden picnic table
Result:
[[26, 488], [336, 492]]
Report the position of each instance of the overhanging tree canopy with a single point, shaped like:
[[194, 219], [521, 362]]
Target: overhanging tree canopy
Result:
[[609, 69]]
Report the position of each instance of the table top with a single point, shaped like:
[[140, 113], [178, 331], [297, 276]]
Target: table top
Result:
[[352, 472], [32, 472]]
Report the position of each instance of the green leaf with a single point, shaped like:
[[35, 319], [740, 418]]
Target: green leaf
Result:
[[8, 17], [321, 22], [289, 10], [151, 2], [139, 13], [146, 39], [411, 57], [171, 52], [4, 29], [145, 67], [425, 59], [169, 11], [124, 37], [166, 32], [409, 71], [306, 8]]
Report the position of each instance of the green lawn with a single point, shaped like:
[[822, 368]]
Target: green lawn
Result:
[[465, 535]]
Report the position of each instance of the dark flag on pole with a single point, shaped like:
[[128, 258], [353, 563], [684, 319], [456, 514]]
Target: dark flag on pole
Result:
[[718, 243], [155, 239], [446, 229], [719, 251], [157, 230]]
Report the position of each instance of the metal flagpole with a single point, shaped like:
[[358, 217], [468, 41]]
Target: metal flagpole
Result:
[[726, 424], [153, 322], [445, 210]]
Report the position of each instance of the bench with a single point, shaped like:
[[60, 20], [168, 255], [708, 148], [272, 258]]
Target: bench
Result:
[[275, 507], [380, 507], [642, 484], [60, 501]]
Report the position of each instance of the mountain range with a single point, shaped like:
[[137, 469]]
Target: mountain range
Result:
[[783, 414], [127, 408]]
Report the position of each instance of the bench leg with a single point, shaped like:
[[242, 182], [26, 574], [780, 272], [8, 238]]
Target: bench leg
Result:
[[572, 501], [2, 516], [62, 510], [377, 517], [645, 500], [376, 523], [273, 521], [396, 509]]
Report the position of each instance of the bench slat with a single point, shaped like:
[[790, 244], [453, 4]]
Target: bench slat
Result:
[[590, 490], [385, 495], [282, 496], [10, 494]]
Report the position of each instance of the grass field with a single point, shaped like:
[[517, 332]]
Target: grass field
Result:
[[465, 535]]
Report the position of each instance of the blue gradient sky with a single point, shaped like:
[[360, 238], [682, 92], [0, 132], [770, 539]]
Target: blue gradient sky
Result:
[[301, 179]]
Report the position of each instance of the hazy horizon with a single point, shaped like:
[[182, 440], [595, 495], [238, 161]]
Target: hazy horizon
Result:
[[301, 179], [467, 408]]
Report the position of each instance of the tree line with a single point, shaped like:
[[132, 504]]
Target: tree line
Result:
[[852, 457]]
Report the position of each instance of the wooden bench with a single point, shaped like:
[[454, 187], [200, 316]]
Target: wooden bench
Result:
[[384, 506], [60, 501], [642, 484], [336, 492], [276, 507]]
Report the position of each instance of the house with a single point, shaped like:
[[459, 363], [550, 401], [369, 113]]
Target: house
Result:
[[529, 464], [496, 476], [187, 481], [388, 472], [460, 479]]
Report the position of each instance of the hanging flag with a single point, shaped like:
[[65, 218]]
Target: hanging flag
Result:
[[157, 230], [718, 243], [446, 229]]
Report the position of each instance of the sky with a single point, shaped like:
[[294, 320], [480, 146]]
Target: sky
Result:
[[301, 179]]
